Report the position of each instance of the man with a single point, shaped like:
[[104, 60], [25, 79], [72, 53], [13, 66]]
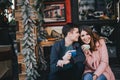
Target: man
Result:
[[64, 66]]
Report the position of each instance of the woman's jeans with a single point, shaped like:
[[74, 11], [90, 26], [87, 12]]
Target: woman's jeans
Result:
[[89, 76]]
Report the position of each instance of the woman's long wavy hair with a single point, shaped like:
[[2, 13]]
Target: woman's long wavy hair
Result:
[[94, 36]]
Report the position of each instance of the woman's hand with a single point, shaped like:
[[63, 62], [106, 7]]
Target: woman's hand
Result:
[[85, 47], [95, 77]]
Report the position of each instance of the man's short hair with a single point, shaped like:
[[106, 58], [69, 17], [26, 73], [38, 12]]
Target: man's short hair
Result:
[[67, 28]]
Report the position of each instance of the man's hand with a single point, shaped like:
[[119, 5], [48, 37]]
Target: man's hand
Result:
[[67, 56], [60, 63]]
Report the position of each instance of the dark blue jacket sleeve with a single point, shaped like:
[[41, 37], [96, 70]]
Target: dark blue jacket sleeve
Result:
[[54, 58], [80, 57], [56, 54]]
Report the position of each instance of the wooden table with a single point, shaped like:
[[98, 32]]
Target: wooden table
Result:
[[46, 43], [46, 49]]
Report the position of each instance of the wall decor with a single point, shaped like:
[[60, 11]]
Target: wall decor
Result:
[[93, 10], [109, 32], [56, 12]]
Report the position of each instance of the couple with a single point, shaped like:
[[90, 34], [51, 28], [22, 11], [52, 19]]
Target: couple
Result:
[[89, 63]]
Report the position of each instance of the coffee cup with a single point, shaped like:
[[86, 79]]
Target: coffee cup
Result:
[[73, 53], [86, 46]]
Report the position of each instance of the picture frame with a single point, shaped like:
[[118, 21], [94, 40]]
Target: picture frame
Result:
[[56, 13], [93, 11]]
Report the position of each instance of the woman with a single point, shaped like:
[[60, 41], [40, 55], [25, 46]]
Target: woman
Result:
[[97, 63]]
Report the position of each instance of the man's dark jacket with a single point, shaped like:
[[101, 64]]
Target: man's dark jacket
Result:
[[57, 54]]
